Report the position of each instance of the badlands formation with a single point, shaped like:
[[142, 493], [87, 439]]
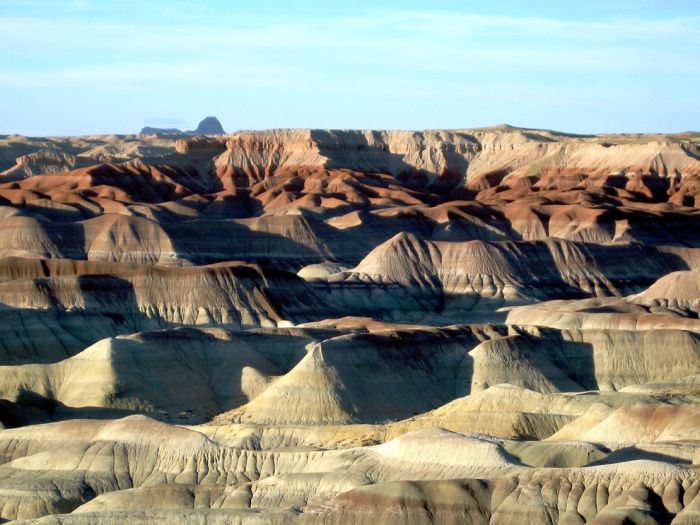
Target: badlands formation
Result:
[[489, 326]]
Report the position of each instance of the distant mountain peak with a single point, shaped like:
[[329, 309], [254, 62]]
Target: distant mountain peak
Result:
[[208, 126]]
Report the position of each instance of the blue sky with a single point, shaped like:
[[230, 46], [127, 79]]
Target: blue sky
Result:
[[108, 66]]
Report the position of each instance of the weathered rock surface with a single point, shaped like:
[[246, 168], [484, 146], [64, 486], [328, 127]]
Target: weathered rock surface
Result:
[[489, 326], [49, 318]]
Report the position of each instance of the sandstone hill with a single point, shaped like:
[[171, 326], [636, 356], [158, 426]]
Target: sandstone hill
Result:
[[491, 326]]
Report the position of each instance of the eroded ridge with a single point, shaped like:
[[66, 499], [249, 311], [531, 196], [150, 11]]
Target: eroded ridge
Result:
[[490, 326]]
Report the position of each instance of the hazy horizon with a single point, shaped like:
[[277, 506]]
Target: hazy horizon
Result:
[[417, 130], [84, 67]]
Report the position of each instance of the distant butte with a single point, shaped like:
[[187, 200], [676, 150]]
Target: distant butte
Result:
[[208, 126]]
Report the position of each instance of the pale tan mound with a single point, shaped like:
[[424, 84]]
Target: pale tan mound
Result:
[[517, 361], [183, 466], [27, 237], [635, 424], [186, 373], [545, 454], [567, 496], [268, 233], [438, 447], [136, 452], [176, 503], [341, 379], [251, 436], [510, 412], [364, 378], [631, 313], [115, 237], [682, 286], [504, 411], [408, 274], [320, 271], [614, 359], [684, 385], [410, 502]]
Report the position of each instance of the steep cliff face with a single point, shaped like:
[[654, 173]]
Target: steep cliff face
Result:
[[541, 154], [440, 160], [443, 160], [430, 159], [42, 161]]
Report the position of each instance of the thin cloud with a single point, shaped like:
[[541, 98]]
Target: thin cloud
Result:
[[418, 25], [613, 30], [140, 76], [438, 39]]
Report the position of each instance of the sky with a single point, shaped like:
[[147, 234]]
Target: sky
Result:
[[79, 67]]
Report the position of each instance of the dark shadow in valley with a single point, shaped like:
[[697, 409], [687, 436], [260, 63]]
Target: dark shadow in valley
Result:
[[634, 453], [211, 241], [575, 359], [48, 335]]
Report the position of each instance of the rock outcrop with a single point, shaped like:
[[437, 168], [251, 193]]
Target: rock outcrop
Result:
[[208, 126]]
